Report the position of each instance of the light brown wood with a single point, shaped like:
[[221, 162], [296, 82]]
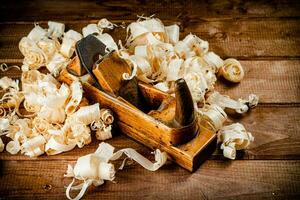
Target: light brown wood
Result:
[[181, 129], [215, 179], [273, 140], [265, 33], [75, 68], [110, 77], [137, 124], [275, 81]]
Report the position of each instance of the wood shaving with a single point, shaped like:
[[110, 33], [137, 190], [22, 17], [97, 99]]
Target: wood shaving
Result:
[[54, 125], [2, 145], [37, 33], [214, 114], [94, 169], [104, 23], [172, 33], [232, 70], [56, 29], [13, 147], [57, 63], [8, 83], [60, 118], [4, 67], [156, 56], [234, 137], [34, 57], [88, 114], [240, 106], [106, 116], [91, 29], [48, 46], [76, 97], [108, 41], [68, 44]]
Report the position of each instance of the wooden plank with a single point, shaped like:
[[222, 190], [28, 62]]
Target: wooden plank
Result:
[[214, 180], [249, 39], [275, 129], [12, 10], [241, 39], [273, 81]]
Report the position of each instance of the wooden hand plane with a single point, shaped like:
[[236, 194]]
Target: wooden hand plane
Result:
[[144, 113]]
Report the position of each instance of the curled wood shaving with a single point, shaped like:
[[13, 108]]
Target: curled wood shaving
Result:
[[4, 67], [173, 33], [2, 145], [142, 28], [213, 60], [252, 101], [68, 44], [34, 146], [76, 97], [7, 83], [91, 29], [232, 70], [81, 134], [95, 168], [197, 85], [56, 29], [108, 41], [197, 45], [88, 114], [104, 23], [13, 147], [52, 115], [37, 33], [57, 63], [215, 115], [4, 125], [234, 137], [104, 133], [34, 57], [48, 46], [240, 106], [106, 116], [56, 146], [58, 112]]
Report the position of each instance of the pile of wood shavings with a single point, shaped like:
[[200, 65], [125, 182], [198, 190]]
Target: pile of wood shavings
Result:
[[58, 117]]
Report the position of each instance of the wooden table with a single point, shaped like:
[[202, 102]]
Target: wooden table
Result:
[[264, 36]]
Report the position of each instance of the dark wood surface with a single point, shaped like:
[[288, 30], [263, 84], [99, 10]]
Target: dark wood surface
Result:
[[264, 35]]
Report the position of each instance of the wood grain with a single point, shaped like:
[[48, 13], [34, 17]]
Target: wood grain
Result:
[[273, 81], [276, 81], [265, 34], [165, 9], [213, 180], [275, 129], [242, 39]]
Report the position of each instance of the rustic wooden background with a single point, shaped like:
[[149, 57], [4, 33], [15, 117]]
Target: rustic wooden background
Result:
[[264, 35]]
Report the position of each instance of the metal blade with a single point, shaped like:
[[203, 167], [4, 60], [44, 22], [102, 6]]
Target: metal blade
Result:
[[89, 50]]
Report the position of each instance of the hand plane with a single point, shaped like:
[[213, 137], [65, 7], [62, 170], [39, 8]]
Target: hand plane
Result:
[[144, 113]]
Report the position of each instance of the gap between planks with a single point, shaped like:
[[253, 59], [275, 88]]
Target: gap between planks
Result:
[[213, 180], [186, 10], [242, 40], [276, 133], [275, 82]]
